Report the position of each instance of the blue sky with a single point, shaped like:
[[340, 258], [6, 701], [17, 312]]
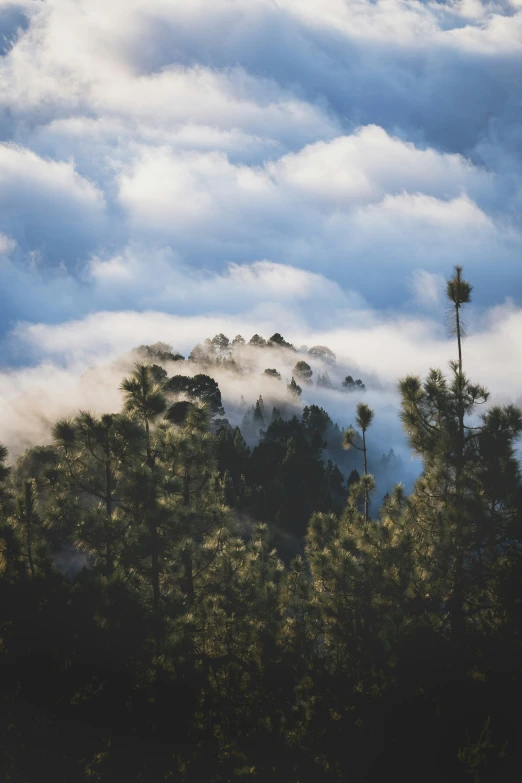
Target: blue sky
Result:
[[313, 166]]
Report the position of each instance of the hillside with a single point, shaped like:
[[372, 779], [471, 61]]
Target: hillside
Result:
[[198, 591]]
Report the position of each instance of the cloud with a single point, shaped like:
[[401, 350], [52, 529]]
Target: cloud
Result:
[[427, 287], [264, 290], [309, 167], [13, 20], [370, 163], [368, 196], [239, 286], [181, 119], [6, 244], [387, 344], [82, 362], [47, 204]]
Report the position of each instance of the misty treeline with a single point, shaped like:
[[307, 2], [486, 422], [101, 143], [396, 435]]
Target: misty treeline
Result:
[[236, 356], [179, 605]]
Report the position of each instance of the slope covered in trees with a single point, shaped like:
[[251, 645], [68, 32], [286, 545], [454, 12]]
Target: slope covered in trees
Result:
[[186, 599]]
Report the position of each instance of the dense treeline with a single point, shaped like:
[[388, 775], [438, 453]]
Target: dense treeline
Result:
[[177, 605], [236, 356]]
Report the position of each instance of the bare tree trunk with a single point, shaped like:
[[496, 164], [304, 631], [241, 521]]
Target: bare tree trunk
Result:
[[459, 337]]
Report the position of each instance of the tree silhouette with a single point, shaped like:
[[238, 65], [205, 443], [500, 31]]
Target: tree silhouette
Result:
[[233, 597], [303, 372], [144, 399], [294, 389], [199, 387], [364, 420]]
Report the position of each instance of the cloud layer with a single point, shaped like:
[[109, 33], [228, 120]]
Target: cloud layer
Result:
[[169, 170]]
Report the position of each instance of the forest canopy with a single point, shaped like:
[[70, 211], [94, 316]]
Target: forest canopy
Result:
[[188, 599]]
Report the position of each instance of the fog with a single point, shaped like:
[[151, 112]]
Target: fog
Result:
[[34, 398]]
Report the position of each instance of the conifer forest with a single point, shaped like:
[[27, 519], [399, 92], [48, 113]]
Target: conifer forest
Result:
[[201, 594]]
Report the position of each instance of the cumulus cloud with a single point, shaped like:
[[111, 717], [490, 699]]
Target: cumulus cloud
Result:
[[232, 290], [82, 362], [46, 203], [427, 287], [194, 135], [170, 170]]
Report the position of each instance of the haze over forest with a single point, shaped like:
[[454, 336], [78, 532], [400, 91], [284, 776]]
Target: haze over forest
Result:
[[260, 389]]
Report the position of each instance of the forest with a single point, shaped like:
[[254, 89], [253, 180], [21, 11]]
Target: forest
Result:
[[188, 595]]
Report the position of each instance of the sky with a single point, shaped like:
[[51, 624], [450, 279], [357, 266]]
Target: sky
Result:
[[169, 170]]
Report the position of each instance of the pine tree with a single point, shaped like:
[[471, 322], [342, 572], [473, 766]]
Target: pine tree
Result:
[[259, 411], [294, 389], [303, 372], [460, 505], [324, 381], [27, 517], [350, 437], [222, 344], [144, 399], [93, 452], [12, 563], [350, 385]]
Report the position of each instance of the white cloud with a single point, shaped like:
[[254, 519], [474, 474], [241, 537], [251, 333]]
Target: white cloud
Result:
[[370, 163], [347, 196], [427, 287], [81, 366], [172, 168], [239, 283], [46, 201], [6, 244]]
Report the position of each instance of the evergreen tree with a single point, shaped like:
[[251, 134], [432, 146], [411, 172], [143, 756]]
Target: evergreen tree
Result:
[[272, 373], [199, 387], [94, 451], [259, 410], [278, 341], [221, 344], [303, 372], [11, 558], [5, 471], [294, 389], [324, 353], [203, 354], [144, 400], [161, 352], [350, 440], [194, 638], [28, 519], [159, 374], [458, 293], [324, 380], [350, 385]]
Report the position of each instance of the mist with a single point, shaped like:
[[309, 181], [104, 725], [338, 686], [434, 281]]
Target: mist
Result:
[[34, 398]]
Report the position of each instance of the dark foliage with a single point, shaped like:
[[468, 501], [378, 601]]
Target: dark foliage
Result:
[[177, 605], [199, 387]]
